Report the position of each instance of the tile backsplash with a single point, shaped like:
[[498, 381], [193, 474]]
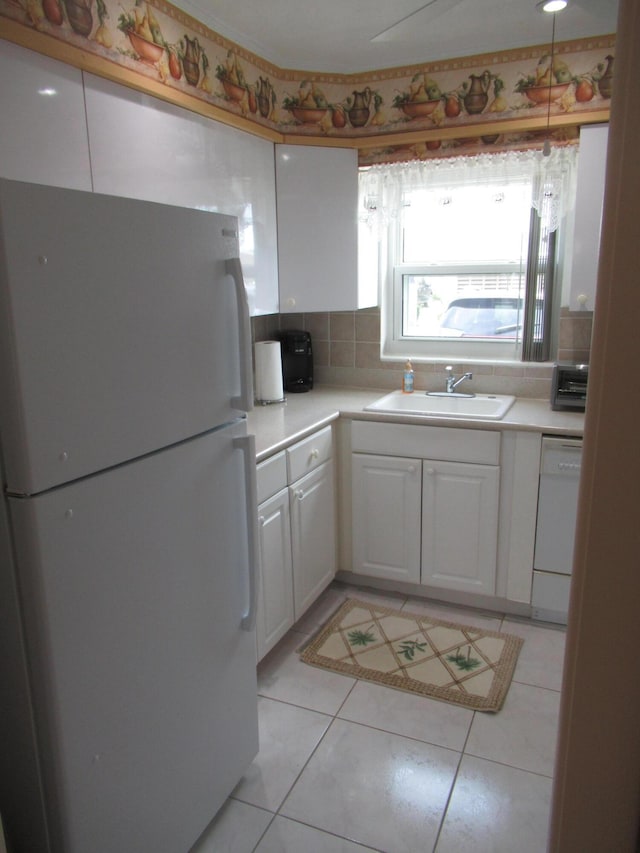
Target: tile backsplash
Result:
[[346, 351]]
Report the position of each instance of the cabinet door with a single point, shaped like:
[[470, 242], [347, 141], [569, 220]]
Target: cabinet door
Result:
[[386, 516], [313, 535], [275, 611], [43, 135], [193, 162], [592, 159], [317, 200], [460, 526]]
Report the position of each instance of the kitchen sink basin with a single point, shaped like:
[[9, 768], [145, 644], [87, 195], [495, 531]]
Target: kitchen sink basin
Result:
[[490, 407]]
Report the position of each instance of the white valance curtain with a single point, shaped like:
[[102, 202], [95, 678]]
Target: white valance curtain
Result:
[[383, 187]]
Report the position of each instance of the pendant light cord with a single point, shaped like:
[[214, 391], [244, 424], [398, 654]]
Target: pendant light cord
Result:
[[546, 148]]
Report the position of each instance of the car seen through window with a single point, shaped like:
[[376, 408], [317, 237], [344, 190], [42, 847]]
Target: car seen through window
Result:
[[483, 317]]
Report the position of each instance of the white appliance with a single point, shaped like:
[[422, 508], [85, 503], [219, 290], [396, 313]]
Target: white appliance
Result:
[[555, 527], [127, 529]]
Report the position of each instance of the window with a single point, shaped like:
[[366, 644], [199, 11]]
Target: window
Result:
[[470, 262]]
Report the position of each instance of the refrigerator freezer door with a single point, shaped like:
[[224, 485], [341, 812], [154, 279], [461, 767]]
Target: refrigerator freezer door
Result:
[[119, 330], [133, 588]]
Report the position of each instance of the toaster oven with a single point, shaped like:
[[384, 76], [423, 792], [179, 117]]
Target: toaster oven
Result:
[[569, 386]]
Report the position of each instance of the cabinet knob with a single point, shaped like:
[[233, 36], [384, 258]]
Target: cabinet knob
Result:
[[261, 520], [431, 470], [412, 469], [315, 453], [299, 493], [290, 302]]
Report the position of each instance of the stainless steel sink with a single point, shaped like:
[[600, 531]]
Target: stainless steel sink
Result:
[[492, 407]]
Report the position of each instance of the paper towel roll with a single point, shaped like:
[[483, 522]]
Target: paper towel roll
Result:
[[268, 372]]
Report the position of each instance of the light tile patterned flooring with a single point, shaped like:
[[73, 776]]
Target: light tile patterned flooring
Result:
[[346, 766]]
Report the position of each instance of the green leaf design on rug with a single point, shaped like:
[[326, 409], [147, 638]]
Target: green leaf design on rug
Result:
[[408, 648], [360, 638], [466, 664]]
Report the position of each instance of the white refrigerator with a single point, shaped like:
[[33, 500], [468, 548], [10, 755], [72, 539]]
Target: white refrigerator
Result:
[[127, 528]]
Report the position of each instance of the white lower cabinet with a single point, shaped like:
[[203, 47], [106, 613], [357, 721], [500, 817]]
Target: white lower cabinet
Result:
[[297, 523], [313, 535], [460, 526], [275, 613], [386, 516], [426, 520]]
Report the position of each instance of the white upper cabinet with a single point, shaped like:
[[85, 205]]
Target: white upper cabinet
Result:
[[144, 148], [317, 192], [588, 216], [43, 136]]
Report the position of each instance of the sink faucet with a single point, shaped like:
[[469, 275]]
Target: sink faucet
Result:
[[452, 382]]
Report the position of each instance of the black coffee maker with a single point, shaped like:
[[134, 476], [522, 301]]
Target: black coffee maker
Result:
[[297, 360]]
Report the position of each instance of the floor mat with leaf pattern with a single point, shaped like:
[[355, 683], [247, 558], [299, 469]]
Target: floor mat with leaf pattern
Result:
[[455, 663]]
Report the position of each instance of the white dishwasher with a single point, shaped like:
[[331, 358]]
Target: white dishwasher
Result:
[[555, 527]]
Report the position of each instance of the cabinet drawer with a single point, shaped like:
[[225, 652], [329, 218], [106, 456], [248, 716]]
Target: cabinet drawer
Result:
[[309, 453], [272, 476], [427, 442]]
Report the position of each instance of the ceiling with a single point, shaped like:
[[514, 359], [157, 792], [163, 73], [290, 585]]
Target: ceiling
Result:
[[351, 36]]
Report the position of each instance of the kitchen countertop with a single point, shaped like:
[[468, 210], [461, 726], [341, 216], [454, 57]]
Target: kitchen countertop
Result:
[[278, 425]]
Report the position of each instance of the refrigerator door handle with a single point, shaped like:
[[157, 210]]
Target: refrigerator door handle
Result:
[[247, 443], [245, 401]]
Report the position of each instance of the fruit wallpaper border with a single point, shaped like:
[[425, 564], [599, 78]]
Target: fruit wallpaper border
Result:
[[510, 99]]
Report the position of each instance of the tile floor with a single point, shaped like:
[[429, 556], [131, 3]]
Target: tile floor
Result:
[[347, 766]]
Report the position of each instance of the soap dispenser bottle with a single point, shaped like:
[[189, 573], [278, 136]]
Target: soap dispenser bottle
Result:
[[407, 379]]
